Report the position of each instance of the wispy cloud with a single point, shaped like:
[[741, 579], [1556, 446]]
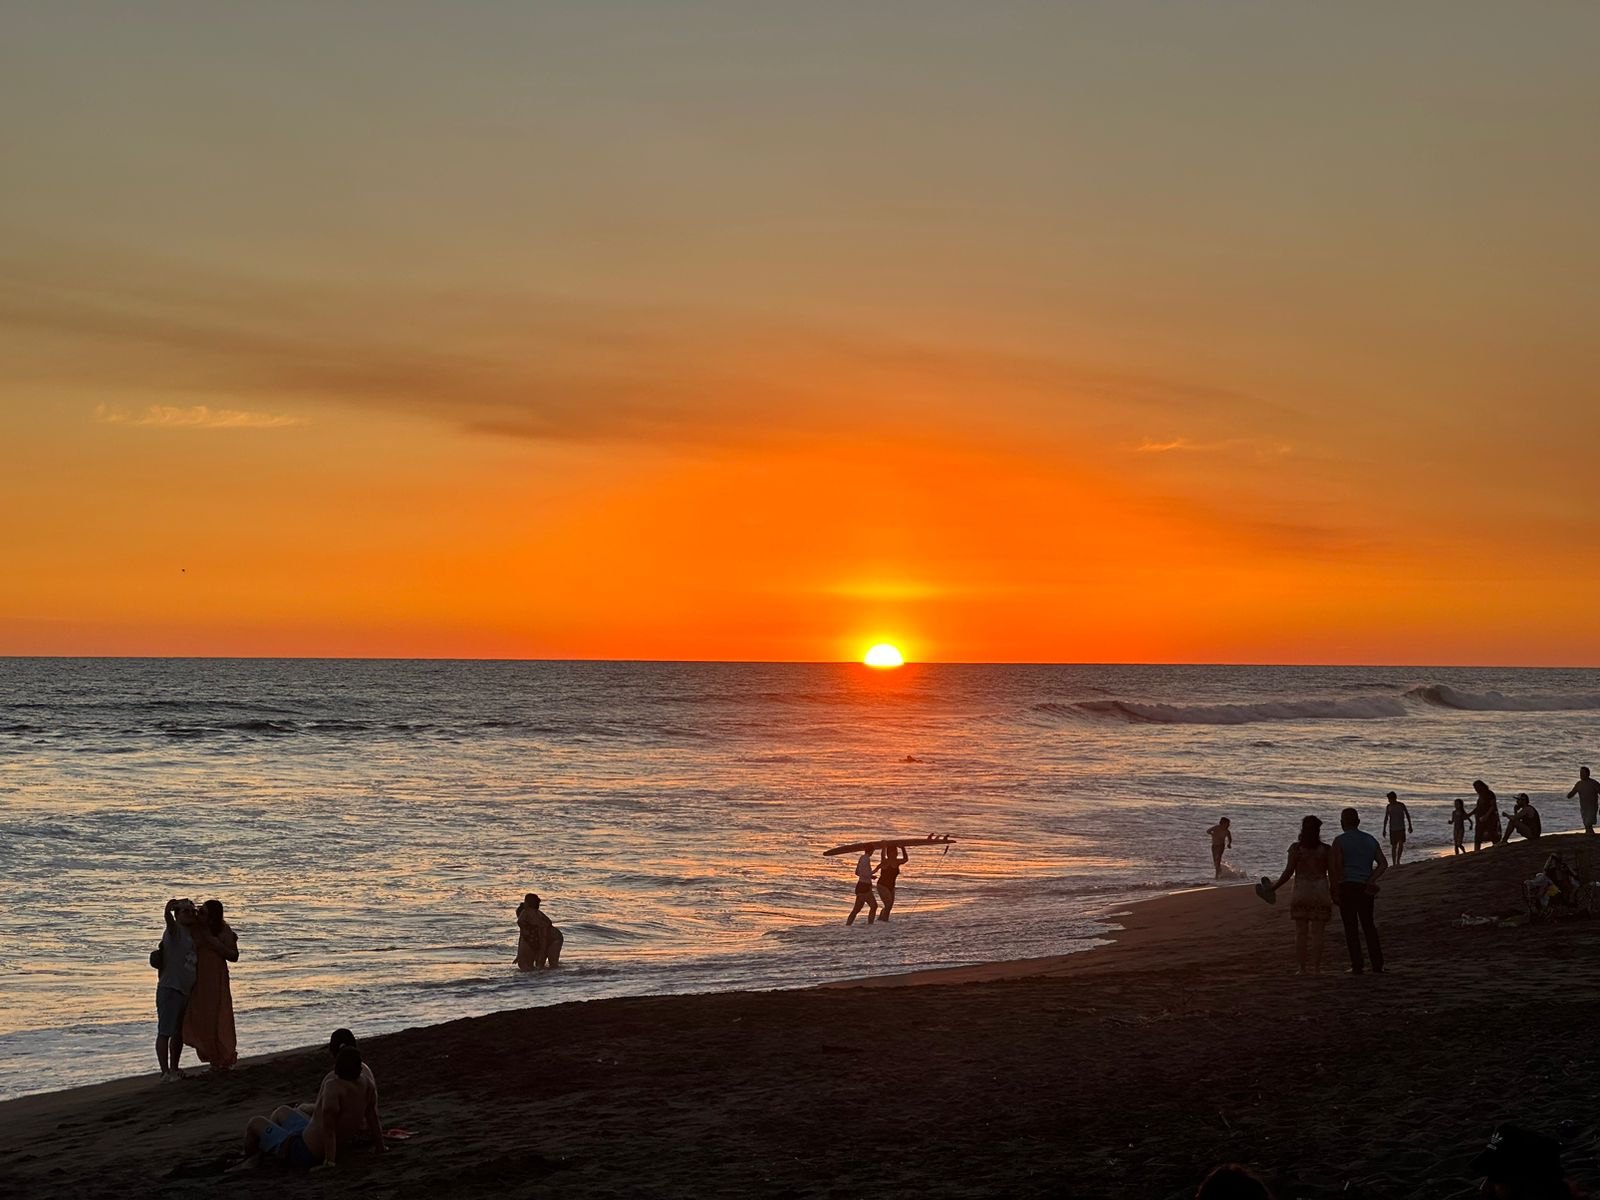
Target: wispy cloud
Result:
[[1181, 445], [197, 416]]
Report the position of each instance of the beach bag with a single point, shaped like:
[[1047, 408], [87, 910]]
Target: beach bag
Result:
[[157, 958]]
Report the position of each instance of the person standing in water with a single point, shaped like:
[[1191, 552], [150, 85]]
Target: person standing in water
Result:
[[539, 942], [1486, 816], [1458, 824], [893, 858], [1221, 839], [1588, 793], [864, 897], [1397, 823], [1311, 902]]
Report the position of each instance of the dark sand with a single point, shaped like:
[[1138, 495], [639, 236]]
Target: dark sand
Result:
[[1124, 1072]]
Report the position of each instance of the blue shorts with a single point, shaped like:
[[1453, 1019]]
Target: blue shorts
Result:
[[170, 1003], [289, 1140]]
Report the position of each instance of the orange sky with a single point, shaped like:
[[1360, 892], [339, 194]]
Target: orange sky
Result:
[[1019, 335]]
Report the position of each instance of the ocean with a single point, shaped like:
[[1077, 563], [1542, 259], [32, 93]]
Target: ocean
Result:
[[371, 825]]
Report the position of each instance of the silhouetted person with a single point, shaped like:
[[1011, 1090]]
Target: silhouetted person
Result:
[[539, 942], [1486, 816], [1396, 823], [889, 864], [1357, 865], [1588, 793], [1231, 1181], [1459, 817], [177, 962], [1519, 1164], [1524, 819], [864, 897], [1311, 902], [1221, 839]]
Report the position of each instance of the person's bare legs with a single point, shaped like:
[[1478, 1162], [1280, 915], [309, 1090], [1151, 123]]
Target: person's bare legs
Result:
[[1301, 934], [1318, 929], [861, 902], [887, 896]]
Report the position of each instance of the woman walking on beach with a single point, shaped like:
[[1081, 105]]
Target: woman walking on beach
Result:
[[1486, 817], [1311, 902], [208, 1020], [889, 864]]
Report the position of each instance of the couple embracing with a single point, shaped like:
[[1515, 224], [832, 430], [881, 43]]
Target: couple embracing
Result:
[[194, 1002]]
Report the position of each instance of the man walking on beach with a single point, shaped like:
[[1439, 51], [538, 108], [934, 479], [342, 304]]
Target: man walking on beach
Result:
[[1397, 823], [1357, 865], [1588, 793]]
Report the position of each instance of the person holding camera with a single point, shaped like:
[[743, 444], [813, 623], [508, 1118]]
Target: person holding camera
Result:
[[176, 962]]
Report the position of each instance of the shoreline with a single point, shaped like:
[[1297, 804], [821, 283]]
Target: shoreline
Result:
[[1129, 1068]]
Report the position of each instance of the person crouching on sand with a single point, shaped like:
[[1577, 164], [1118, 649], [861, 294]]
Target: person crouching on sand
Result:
[[539, 942], [175, 960], [1221, 839], [1458, 825], [1311, 902], [889, 864], [864, 897], [1524, 819]]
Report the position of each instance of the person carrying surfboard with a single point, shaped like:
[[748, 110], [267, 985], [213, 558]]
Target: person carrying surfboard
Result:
[[864, 897], [893, 858]]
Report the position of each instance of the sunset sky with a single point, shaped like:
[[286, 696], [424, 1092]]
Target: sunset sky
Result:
[[1001, 332]]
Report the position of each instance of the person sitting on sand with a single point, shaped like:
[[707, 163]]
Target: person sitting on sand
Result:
[[208, 1017], [1397, 822], [864, 896], [1486, 816], [1311, 903], [1588, 793], [1458, 825], [1519, 1164], [890, 861], [539, 942], [175, 960], [1233, 1181], [1357, 864], [1524, 819], [1221, 839], [309, 1142], [354, 1124]]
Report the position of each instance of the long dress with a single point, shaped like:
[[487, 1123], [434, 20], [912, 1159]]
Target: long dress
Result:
[[208, 1021]]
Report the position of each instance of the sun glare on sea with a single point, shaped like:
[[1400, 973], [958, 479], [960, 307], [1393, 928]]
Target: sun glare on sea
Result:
[[884, 655]]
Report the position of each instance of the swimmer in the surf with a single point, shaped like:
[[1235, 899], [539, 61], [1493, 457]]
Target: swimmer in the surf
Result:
[[864, 897], [893, 858], [1221, 839]]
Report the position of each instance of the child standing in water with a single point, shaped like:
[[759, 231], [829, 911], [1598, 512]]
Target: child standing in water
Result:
[[1458, 824], [1221, 839]]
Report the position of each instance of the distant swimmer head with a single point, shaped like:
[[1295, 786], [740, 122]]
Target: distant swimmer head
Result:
[[1349, 818], [347, 1063], [340, 1039], [1310, 831]]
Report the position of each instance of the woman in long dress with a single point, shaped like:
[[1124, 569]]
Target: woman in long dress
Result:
[[1311, 902], [208, 1021]]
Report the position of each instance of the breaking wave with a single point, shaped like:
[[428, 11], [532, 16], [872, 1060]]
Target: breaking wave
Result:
[[1443, 696], [1372, 708]]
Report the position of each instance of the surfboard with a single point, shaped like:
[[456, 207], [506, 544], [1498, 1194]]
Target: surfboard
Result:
[[932, 839]]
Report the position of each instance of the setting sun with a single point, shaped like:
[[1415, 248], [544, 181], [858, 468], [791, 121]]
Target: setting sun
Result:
[[884, 655]]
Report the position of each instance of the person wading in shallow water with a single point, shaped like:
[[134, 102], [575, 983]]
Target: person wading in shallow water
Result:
[[1397, 823], [864, 897], [1356, 867], [1311, 902], [889, 864], [1588, 793]]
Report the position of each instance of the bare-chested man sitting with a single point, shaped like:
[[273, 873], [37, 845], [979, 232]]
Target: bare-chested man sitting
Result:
[[361, 1124], [312, 1143]]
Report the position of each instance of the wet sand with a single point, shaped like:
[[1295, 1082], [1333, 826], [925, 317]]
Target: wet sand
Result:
[[1123, 1072]]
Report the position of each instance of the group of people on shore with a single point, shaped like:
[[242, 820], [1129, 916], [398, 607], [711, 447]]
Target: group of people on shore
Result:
[[194, 1000]]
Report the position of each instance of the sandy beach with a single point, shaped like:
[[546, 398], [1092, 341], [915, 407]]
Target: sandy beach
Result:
[[1124, 1071]]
